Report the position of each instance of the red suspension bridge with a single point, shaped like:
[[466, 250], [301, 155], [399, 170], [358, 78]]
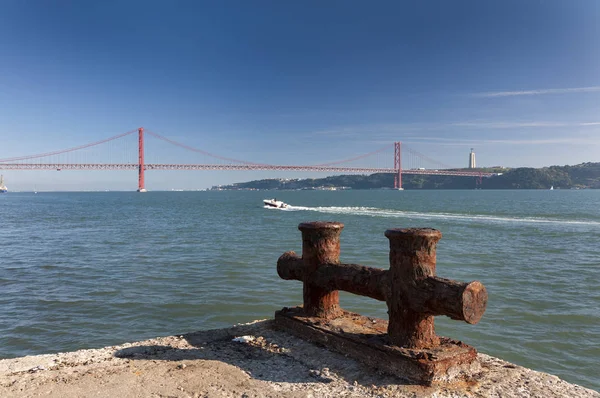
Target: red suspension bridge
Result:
[[82, 158]]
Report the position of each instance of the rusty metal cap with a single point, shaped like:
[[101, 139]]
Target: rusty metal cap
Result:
[[320, 225], [408, 233]]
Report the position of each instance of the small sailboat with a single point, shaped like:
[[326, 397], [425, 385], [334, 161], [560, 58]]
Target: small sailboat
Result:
[[551, 187], [3, 188]]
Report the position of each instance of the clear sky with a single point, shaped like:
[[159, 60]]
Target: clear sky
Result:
[[301, 82]]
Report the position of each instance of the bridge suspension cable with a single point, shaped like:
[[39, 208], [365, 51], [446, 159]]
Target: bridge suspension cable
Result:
[[427, 158], [41, 155], [354, 158], [170, 141]]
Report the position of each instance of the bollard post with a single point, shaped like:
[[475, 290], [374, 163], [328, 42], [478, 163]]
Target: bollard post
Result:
[[412, 260], [320, 246]]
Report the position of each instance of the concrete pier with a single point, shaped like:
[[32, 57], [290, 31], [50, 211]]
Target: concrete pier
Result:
[[250, 360]]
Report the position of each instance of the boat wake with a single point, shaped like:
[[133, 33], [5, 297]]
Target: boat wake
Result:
[[481, 218]]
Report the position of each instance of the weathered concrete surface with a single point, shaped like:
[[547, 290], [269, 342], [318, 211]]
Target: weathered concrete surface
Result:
[[273, 364], [365, 339]]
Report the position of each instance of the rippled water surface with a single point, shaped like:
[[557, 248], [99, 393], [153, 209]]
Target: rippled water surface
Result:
[[82, 270]]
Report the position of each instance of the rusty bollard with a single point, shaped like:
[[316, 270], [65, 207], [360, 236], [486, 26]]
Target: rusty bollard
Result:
[[320, 246], [406, 345], [412, 259], [417, 294]]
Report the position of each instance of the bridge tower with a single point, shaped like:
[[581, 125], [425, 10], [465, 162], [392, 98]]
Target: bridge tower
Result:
[[141, 167], [398, 165]]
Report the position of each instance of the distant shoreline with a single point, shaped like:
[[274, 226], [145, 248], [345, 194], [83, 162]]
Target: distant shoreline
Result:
[[582, 176]]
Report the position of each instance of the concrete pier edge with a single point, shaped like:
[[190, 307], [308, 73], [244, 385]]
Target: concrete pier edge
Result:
[[248, 360]]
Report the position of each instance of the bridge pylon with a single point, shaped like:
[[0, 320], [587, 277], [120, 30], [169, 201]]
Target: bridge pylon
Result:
[[398, 166], [141, 166]]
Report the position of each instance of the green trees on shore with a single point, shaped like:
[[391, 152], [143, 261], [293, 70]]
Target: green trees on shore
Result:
[[585, 175]]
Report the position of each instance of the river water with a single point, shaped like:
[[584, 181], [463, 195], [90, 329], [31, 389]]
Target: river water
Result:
[[85, 270]]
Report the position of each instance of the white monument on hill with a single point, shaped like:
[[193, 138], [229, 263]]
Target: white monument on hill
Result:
[[472, 164]]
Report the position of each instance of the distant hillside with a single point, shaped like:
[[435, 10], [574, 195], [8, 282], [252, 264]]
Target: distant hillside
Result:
[[585, 175]]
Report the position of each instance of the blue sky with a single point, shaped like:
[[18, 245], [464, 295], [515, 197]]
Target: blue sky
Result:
[[306, 82]]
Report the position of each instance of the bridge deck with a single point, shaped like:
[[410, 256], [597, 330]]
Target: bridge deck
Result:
[[243, 167]]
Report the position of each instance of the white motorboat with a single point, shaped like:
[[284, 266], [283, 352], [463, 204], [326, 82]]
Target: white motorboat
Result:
[[275, 203]]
